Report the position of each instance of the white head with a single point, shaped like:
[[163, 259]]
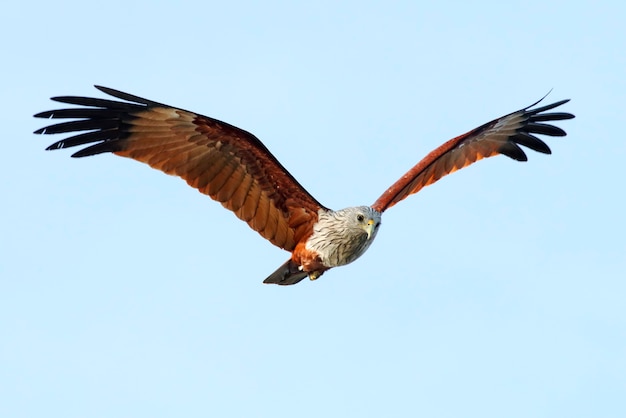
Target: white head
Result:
[[342, 236]]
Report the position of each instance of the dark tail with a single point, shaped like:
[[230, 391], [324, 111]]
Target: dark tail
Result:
[[286, 274]]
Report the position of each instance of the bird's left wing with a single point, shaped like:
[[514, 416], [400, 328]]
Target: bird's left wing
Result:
[[500, 136], [227, 163]]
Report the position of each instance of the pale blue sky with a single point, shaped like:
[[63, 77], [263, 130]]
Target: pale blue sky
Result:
[[498, 292]]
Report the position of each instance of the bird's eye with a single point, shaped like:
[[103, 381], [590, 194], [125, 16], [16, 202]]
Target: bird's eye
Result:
[[360, 218]]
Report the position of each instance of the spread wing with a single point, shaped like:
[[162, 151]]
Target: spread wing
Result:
[[500, 136], [229, 164]]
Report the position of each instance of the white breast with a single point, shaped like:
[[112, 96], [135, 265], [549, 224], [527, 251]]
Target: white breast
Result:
[[338, 238]]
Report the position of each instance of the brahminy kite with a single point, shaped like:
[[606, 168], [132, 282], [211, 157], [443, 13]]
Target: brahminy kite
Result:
[[233, 167]]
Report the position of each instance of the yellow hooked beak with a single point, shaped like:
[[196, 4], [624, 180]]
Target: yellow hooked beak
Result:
[[369, 228]]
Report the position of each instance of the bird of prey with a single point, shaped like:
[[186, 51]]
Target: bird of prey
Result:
[[233, 167]]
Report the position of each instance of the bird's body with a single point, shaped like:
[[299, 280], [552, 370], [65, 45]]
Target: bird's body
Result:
[[234, 168], [338, 238]]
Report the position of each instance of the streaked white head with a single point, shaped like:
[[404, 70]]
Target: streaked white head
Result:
[[342, 236]]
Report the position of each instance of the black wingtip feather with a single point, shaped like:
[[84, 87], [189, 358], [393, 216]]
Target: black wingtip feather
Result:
[[125, 96], [512, 150], [47, 114], [551, 116], [100, 103], [85, 138], [103, 122], [80, 125], [532, 142], [546, 107], [102, 147], [544, 129], [76, 113]]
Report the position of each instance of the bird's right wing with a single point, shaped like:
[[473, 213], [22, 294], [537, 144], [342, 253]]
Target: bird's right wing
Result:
[[227, 163]]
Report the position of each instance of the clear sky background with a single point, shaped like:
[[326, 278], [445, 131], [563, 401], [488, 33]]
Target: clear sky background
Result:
[[498, 292]]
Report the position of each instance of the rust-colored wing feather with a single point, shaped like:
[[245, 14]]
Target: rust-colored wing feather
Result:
[[229, 164], [500, 136]]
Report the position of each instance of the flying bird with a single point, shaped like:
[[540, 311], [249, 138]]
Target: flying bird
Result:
[[233, 167]]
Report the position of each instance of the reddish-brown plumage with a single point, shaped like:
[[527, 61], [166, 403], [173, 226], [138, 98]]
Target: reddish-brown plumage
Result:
[[234, 168], [431, 168], [309, 260], [226, 163], [500, 136]]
